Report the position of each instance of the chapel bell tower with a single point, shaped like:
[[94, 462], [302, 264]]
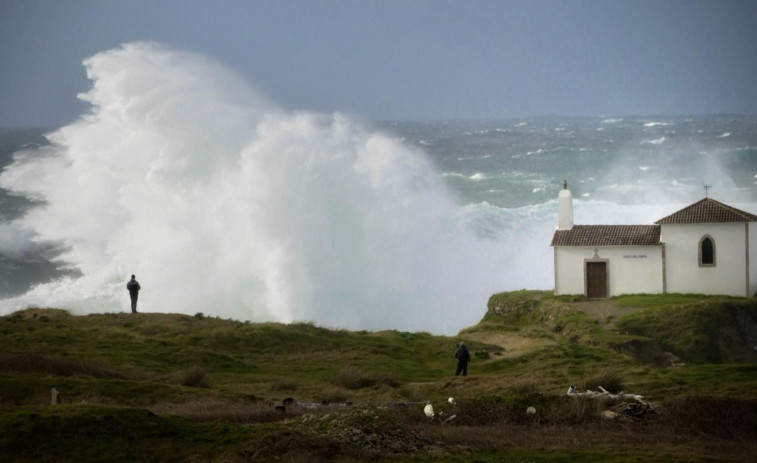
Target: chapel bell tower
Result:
[[564, 208]]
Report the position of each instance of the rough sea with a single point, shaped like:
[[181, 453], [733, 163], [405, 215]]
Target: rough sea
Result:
[[223, 203]]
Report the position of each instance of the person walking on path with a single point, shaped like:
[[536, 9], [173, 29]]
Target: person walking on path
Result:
[[463, 357], [133, 287]]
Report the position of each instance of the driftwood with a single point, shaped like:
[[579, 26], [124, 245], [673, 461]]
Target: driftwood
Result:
[[633, 409], [603, 393], [638, 408]]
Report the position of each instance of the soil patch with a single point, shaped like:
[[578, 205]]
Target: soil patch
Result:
[[603, 310]]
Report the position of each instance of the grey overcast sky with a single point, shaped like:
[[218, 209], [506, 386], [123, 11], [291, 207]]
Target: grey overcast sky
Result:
[[419, 59]]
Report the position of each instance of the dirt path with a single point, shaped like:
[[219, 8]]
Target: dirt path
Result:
[[513, 345], [603, 310]]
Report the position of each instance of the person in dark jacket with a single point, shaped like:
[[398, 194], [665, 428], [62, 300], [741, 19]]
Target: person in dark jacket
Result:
[[463, 357], [133, 287]]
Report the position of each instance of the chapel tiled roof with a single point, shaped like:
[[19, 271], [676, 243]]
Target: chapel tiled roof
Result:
[[608, 235], [708, 211]]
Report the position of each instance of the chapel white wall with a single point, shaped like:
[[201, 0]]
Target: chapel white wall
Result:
[[683, 273], [752, 258], [631, 269]]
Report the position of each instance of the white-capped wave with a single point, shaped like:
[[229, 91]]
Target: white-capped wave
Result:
[[656, 124], [656, 141], [453, 174]]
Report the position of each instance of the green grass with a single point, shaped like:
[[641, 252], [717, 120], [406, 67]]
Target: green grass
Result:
[[697, 332], [117, 434], [197, 387], [671, 300]]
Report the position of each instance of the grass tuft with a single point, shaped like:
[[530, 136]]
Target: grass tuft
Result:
[[608, 379], [196, 377], [354, 378], [284, 384]]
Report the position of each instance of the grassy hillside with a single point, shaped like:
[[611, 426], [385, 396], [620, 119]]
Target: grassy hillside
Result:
[[176, 387]]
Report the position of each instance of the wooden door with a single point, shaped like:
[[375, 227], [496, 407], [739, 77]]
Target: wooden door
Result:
[[596, 280]]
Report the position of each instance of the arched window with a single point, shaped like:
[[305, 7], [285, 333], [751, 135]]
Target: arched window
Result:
[[707, 252]]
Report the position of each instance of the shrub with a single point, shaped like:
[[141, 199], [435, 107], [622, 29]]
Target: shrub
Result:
[[482, 354], [608, 379], [526, 386], [196, 377], [330, 396], [284, 384], [354, 378]]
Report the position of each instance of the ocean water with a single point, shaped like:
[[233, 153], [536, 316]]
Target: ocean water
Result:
[[224, 203]]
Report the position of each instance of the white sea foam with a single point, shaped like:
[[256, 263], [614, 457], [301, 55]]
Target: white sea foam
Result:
[[656, 124], [656, 141], [222, 203]]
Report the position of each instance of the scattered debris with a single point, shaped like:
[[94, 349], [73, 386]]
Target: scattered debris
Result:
[[603, 393], [430, 413], [633, 410], [639, 408]]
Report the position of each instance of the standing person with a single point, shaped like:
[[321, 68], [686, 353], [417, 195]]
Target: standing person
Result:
[[133, 287], [463, 357]]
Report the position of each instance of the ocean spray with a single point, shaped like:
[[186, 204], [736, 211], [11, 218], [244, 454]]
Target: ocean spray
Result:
[[222, 203]]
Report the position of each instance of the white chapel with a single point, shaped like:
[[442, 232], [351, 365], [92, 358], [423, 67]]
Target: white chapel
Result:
[[705, 248]]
